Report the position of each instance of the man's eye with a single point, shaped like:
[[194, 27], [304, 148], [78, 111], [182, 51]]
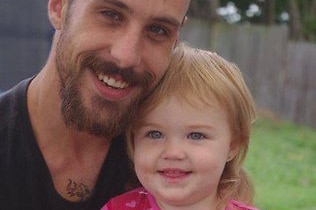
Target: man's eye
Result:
[[113, 15], [196, 136], [157, 30], [154, 134]]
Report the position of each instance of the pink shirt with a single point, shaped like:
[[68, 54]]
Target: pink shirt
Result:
[[140, 199]]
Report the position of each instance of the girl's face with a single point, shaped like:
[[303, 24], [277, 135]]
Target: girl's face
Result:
[[181, 151]]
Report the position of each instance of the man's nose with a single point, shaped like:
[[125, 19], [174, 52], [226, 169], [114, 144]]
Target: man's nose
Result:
[[127, 49]]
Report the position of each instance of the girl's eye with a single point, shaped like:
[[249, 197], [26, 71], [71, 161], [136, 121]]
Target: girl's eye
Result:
[[113, 15], [154, 134], [196, 136]]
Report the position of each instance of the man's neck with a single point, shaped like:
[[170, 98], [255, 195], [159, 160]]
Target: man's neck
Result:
[[73, 158]]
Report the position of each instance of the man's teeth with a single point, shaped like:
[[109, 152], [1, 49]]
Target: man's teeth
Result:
[[110, 81]]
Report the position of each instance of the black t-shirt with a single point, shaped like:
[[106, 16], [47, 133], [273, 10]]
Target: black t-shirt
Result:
[[25, 182]]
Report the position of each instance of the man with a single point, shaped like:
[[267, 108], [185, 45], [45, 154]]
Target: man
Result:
[[56, 128]]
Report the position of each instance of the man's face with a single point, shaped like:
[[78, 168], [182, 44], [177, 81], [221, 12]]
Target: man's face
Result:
[[110, 54]]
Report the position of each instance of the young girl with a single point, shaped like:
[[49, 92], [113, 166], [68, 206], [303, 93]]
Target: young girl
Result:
[[190, 138]]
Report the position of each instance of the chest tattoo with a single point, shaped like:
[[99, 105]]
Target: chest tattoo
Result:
[[78, 190]]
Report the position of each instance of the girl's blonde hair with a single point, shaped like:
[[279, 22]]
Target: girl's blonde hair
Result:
[[195, 74]]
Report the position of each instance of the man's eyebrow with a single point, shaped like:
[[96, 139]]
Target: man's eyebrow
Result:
[[118, 3], [169, 20]]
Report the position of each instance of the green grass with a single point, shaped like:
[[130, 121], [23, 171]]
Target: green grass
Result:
[[282, 163]]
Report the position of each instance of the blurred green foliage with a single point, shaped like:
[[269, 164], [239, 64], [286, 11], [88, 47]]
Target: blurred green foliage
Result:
[[281, 161], [301, 13]]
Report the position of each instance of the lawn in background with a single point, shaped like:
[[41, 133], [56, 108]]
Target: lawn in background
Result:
[[282, 163]]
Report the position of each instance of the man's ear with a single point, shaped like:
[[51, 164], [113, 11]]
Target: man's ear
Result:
[[185, 19], [56, 12]]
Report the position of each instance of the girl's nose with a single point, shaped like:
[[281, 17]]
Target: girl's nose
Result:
[[173, 151]]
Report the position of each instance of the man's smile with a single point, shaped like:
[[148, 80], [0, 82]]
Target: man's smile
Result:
[[112, 82]]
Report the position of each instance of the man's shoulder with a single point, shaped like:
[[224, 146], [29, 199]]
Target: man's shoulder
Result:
[[22, 169], [14, 96], [13, 114]]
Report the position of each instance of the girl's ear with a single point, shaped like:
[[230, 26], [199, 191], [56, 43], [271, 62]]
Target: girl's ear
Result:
[[234, 149], [56, 12]]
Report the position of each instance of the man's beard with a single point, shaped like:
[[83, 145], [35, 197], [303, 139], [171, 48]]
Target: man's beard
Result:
[[104, 118]]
